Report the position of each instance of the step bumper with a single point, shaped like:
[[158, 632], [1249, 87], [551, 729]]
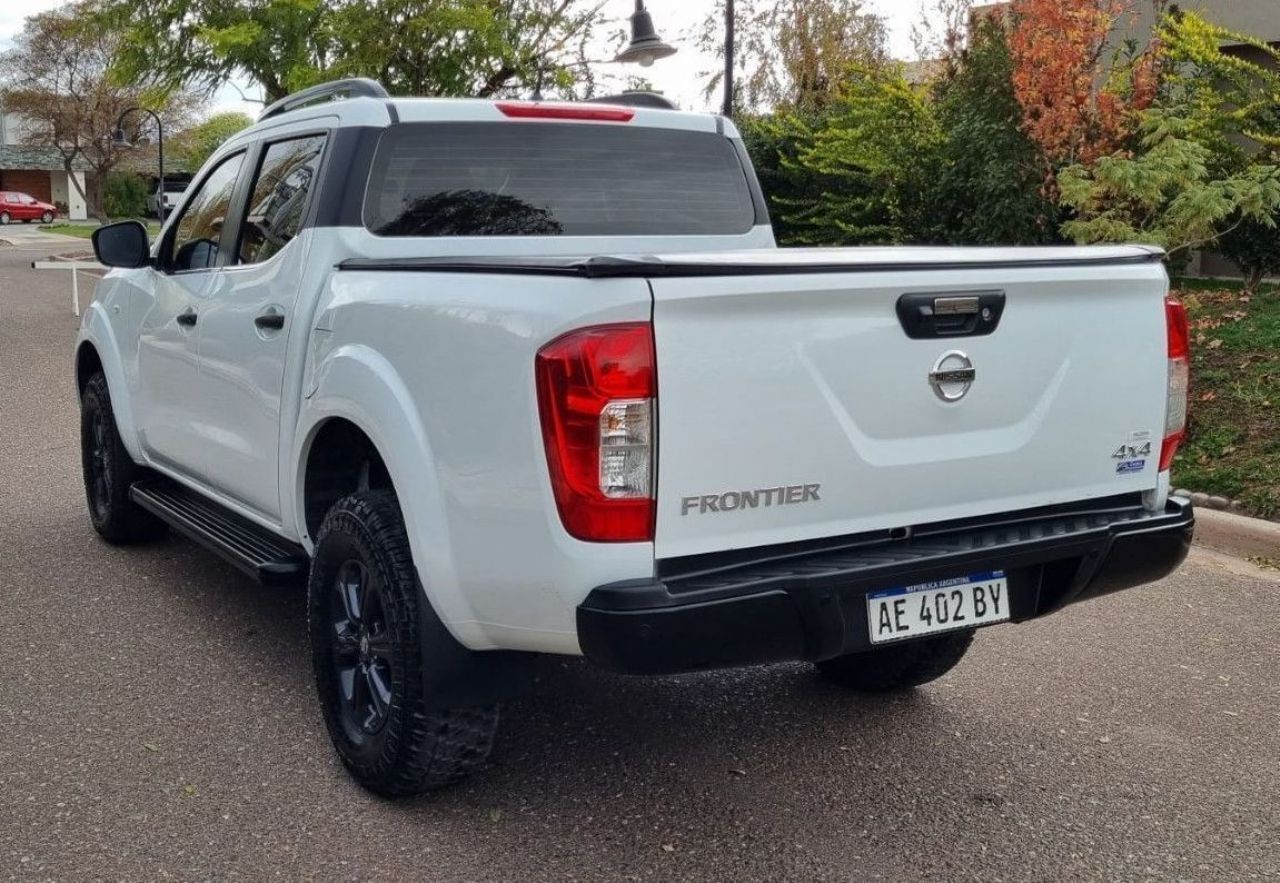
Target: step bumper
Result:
[[808, 602]]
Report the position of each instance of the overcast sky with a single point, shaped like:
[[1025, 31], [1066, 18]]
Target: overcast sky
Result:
[[680, 76]]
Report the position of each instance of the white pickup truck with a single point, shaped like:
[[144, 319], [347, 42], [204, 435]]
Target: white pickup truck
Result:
[[505, 378]]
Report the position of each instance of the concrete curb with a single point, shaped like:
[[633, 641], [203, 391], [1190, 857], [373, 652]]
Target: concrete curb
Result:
[[1237, 535]]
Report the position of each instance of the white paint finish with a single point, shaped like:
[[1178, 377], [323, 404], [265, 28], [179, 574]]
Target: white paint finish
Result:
[[173, 426], [113, 335], [241, 376], [793, 377], [438, 370], [802, 379], [474, 110]]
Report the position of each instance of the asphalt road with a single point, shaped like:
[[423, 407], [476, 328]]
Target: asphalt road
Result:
[[157, 721]]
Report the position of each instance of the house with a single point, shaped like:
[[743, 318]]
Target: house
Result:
[[39, 171]]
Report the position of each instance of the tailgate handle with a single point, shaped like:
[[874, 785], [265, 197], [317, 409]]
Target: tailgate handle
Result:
[[950, 314]]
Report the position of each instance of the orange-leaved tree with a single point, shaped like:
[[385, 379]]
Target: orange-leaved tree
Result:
[[1078, 88]]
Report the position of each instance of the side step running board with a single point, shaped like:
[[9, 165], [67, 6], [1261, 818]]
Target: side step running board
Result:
[[267, 558]]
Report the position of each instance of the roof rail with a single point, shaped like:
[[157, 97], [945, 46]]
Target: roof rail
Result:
[[357, 87], [637, 98]]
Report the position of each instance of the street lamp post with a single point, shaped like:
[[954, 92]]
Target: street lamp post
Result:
[[646, 46], [121, 140], [729, 21]]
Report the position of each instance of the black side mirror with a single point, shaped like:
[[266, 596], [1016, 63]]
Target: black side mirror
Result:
[[124, 244]]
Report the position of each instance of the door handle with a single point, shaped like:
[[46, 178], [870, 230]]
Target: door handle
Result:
[[269, 319], [187, 318]]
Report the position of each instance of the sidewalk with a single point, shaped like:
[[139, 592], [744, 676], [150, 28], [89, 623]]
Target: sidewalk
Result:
[[1238, 535]]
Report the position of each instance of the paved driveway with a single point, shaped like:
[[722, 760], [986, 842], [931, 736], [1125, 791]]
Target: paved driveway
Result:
[[157, 721]]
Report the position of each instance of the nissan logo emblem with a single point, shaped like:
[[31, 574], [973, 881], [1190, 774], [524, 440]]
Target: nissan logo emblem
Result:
[[952, 375]]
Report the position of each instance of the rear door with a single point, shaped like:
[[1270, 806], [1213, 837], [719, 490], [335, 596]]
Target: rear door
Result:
[[796, 406]]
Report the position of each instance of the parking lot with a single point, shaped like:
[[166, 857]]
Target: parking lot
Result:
[[157, 720]]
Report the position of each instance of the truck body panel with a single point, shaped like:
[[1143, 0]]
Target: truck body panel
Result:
[[778, 381]]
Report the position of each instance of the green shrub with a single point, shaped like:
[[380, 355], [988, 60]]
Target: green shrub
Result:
[[774, 144], [989, 186], [124, 195], [1253, 246], [872, 161]]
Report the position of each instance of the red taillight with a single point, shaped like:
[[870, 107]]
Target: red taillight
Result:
[[1175, 423], [596, 392], [544, 110]]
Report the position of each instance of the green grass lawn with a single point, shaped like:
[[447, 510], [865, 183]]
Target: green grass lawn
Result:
[[1233, 445], [84, 231]]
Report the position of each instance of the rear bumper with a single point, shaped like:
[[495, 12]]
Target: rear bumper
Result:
[[808, 601]]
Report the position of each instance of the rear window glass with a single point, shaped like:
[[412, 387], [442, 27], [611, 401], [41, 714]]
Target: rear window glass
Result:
[[555, 179]]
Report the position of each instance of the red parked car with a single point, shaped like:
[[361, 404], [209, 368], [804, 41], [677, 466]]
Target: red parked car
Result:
[[16, 206]]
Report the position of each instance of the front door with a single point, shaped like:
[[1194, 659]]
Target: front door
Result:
[[245, 326], [186, 279]]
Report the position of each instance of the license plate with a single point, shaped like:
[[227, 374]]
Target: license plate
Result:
[[942, 606]]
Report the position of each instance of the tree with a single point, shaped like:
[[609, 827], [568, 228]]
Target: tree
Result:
[[1253, 245], [1078, 101], [940, 35], [793, 55], [199, 142], [874, 160], [1166, 194], [774, 142], [418, 47], [1205, 162], [1229, 98], [124, 195], [58, 83], [989, 174]]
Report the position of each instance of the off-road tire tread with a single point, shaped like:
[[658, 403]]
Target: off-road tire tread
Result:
[[126, 521], [425, 748], [898, 666]]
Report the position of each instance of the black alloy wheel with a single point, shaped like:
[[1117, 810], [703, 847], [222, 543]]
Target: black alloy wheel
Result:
[[361, 645], [98, 468], [109, 471], [367, 613]]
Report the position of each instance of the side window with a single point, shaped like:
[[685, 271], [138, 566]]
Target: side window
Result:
[[279, 198], [195, 241]]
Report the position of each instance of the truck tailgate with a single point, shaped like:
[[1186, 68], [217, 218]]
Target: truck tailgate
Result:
[[793, 405]]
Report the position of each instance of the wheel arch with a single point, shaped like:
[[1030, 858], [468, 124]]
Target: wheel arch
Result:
[[88, 363], [97, 350], [361, 405], [340, 459]]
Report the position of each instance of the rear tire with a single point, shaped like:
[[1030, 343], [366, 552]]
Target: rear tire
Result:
[[365, 610], [109, 471], [898, 666], [5, 219]]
